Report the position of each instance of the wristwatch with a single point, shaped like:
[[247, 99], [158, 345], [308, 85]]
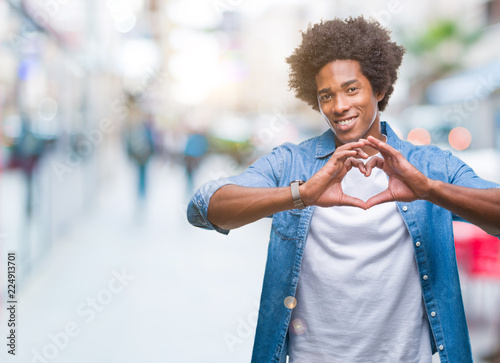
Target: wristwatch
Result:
[[299, 204]]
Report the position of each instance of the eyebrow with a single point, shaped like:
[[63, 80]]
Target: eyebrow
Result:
[[343, 85]]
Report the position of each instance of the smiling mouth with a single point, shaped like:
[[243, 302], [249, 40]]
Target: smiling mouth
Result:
[[346, 121]]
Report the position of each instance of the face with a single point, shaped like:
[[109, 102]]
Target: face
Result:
[[347, 101]]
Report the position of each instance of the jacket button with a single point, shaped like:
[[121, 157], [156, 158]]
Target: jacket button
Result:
[[418, 244], [433, 314], [405, 208], [199, 203], [441, 347], [425, 277]]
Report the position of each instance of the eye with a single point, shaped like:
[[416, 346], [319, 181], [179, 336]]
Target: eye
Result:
[[325, 97], [352, 89]]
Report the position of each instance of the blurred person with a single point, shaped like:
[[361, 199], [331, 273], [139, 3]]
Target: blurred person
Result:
[[139, 138], [361, 263], [194, 152], [494, 357], [27, 151]]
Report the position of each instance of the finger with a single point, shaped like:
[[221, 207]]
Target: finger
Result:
[[377, 162], [358, 164], [380, 198], [353, 145], [374, 140], [349, 150], [340, 154], [362, 153], [374, 145], [383, 146], [385, 154], [348, 163], [376, 148], [368, 143]]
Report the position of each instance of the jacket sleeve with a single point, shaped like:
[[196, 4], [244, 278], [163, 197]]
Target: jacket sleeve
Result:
[[264, 173], [462, 174]]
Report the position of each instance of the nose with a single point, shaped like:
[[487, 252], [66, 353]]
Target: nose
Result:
[[340, 105]]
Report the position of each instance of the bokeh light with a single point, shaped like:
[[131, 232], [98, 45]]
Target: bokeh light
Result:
[[460, 138], [290, 302], [125, 23], [419, 136], [47, 108], [298, 326]]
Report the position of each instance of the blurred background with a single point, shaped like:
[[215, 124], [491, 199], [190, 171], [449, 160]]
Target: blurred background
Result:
[[113, 112]]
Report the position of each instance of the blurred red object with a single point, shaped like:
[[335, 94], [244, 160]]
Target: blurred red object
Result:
[[478, 253]]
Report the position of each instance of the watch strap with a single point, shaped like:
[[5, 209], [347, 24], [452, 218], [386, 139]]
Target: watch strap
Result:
[[297, 201]]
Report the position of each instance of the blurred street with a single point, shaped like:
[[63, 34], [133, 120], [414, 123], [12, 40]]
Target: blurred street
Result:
[[192, 294]]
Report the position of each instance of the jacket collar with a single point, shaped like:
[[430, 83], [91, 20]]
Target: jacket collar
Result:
[[326, 143]]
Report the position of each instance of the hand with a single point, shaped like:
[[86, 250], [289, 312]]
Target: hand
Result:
[[324, 188], [406, 183]]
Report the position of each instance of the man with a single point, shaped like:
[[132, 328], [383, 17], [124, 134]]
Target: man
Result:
[[363, 218]]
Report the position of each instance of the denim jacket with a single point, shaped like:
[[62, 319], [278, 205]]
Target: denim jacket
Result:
[[429, 225]]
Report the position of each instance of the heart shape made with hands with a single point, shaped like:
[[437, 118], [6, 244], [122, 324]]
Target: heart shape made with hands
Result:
[[406, 183], [366, 168]]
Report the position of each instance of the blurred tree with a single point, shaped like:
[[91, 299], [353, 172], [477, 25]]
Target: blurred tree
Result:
[[438, 50]]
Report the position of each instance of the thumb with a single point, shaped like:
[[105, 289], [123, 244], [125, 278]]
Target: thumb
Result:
[[382, 197], [347, 200]]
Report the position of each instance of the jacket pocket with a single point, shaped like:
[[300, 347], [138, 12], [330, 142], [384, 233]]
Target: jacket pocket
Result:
[[286, 224]]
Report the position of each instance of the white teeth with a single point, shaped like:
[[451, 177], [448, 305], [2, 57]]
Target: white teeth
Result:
[[346, 122]]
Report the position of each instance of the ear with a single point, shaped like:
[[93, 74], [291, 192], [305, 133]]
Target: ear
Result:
[[380, 96]]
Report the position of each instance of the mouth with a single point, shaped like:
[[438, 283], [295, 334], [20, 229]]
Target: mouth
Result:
[[346, 122]]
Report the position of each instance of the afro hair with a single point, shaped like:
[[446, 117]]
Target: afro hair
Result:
[[353, 39]]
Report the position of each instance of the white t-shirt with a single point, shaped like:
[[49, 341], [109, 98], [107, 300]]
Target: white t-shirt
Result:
[[359, 297]]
